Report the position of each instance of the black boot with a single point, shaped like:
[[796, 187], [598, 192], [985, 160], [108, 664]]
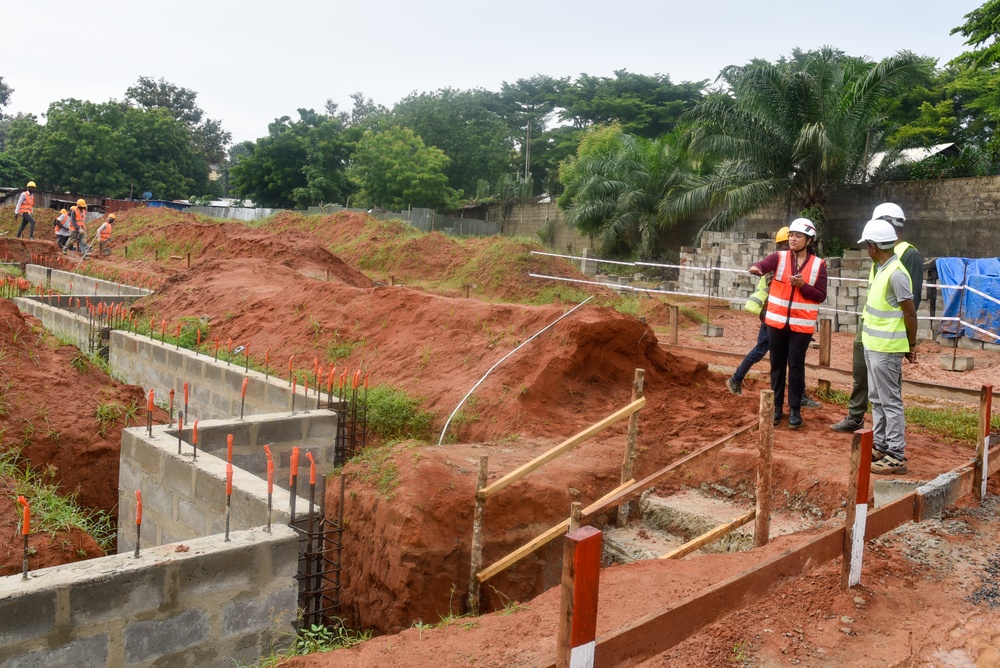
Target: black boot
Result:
[[794, 418], [778, 416]]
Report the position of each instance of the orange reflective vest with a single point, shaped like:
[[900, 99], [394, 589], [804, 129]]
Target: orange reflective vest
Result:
[[62, 220], [785, 304], [77, 219], [105, 231], [27, 203]]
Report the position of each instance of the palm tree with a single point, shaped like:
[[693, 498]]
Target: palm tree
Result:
[[792, 131], [622, 193]]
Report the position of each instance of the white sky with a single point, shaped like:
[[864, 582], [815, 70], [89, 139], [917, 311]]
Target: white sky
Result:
[[252, 61]]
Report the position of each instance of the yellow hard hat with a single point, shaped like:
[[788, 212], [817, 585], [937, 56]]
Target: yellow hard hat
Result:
[[31, 184], [81, 202], [111, 217], [782, 236], [63, 212]]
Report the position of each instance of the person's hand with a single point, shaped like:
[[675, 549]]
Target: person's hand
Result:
[[756, 272], [911, 357], [798, 281]]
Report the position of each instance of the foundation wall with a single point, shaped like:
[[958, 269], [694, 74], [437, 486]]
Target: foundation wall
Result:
[[212, 604], [77, 285]]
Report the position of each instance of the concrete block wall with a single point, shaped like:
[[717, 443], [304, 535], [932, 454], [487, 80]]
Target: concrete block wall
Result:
[[65, 322], [214, 388], [75, 284], [209, 604], [184, 497]]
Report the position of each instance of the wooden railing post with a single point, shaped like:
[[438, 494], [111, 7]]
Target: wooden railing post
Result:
[[674, 323], [765, 440], [983, 444], [633, 434], [824, 351], [476, 560], [578, 603], [857, 508]]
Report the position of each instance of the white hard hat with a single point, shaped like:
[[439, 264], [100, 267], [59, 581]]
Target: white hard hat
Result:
[[803, 225], [878, 231], [888, 210]]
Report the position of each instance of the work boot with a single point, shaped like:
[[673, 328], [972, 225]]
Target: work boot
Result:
[[734, 387], [778, 417], [848, 425], [794, 418], [806, 402]]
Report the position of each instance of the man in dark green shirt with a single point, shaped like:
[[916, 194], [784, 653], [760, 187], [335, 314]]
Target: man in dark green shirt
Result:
[[913, 262]]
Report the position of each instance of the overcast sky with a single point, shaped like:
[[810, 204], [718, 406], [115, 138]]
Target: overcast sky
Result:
[[253, 61]]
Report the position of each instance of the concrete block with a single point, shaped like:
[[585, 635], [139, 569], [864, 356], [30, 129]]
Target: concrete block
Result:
[[89, 651], [959, 363], [965, 343], [94, 602], [711, 330], [24, 615], [154, 639]]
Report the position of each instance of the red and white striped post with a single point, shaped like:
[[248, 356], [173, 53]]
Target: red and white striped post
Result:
[[858, 489], [578, 607], [983, 443]]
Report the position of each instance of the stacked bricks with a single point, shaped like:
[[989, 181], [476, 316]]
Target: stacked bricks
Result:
[[728, 251]]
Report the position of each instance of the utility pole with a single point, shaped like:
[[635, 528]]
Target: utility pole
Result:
[[527, 145]]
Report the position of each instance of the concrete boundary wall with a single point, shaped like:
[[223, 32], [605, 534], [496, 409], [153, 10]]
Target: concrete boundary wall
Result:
[[60, 321], [204, 603], [78, 285]]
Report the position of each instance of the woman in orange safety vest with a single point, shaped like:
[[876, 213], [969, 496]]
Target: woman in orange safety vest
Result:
[[797, 290]]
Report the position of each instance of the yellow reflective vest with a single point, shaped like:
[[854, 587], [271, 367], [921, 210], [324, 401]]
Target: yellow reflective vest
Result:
[[755, 304], [884, 329]]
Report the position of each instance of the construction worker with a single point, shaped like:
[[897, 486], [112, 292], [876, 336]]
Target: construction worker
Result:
[[913, 263], [889, 335], [61, 228], [77, 227], [25, 207], [103, 235], [756, 304], [797, 290]]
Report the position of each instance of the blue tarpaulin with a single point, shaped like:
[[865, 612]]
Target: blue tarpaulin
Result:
[[982, 275]]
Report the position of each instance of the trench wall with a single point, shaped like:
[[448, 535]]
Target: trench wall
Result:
[[211, 604]]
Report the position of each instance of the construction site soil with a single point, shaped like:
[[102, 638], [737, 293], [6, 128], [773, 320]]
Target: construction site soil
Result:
[[379, 296]]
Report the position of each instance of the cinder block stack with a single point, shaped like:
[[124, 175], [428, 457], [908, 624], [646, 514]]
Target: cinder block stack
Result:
[[846, 297]]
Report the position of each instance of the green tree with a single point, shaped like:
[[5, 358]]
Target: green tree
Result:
[[981, 27], [527, 105], [623, 194], [394, 169], [110, 148], [12, 174], [466, 126], [598, 141], [792, 132], [5, 93], [300, 163]]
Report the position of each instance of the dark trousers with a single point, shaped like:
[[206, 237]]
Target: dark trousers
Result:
[[755, 355], [27, 220], [788, 361], [858, 404]]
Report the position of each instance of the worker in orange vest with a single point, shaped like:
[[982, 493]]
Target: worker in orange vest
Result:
[[77, 227], [797, 290], [61, 228], [25, 207], [103, 235]]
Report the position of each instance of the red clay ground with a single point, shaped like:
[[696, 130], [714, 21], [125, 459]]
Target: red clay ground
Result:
[[408, 548]]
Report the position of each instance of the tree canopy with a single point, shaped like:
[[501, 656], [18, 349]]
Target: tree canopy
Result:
[[981, 27]]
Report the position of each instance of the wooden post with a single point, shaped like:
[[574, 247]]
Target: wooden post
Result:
[[392, 280], [575, 513], [633, 434], [765, 439], [983, 444], [674, 321], [857, 508], [465, 290], [476, 560], [578, 604], [189, 261], [824, 352]]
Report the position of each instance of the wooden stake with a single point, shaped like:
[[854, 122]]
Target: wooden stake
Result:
[[982, 446], [575, 512], [857, 508], [578, 603], [476, 560], [824, 352], [633, 433], [765, 439], [465, 291], [674, 320]]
